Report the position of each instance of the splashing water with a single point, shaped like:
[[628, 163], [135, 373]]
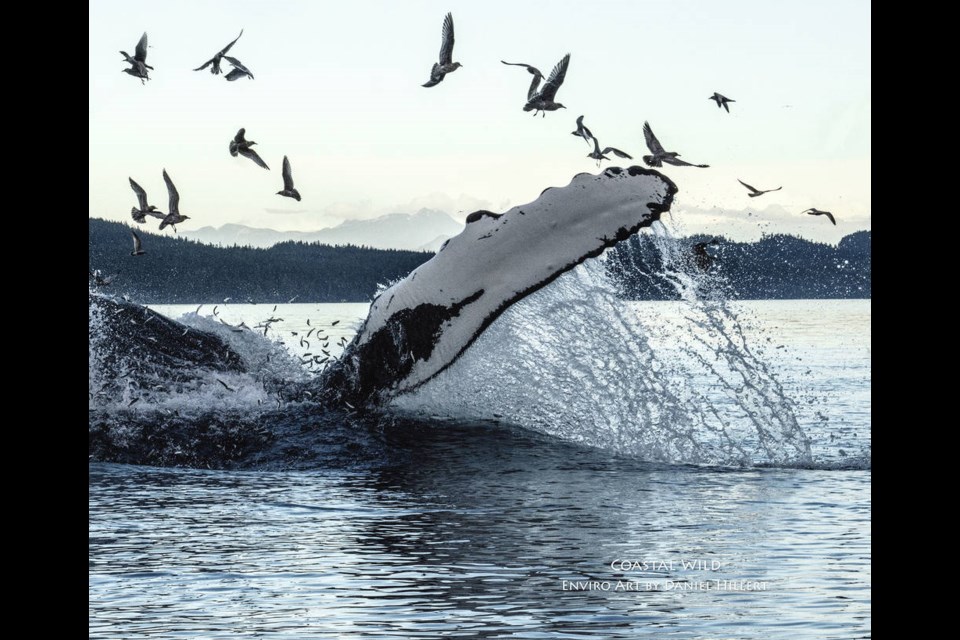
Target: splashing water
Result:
[[120, 382], [576, 361], [676, 382]]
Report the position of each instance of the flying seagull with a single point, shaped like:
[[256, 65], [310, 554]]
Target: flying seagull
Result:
[[543, 100], [756, 192], [241, 145], [215, 60], [238, 70], [446, 64], [722, 101], [288, 189], [137, 245], [140, 215], [602, 155], [817, 212], [138, 63], [659, 155], [172, 218], [582, 131]]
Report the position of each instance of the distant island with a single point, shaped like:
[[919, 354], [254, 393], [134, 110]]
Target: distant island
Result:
[[177, 270]]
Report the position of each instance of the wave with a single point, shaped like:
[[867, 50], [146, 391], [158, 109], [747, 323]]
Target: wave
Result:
[[575, 361]]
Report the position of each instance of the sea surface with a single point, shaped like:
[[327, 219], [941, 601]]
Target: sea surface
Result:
[[446, 524]]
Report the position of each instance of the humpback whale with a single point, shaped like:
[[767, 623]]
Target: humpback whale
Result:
[[420, 325]]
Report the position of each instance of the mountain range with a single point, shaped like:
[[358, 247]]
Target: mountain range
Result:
[[424, 230]]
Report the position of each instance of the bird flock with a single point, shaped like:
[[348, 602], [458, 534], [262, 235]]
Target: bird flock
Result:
[[539, 100]]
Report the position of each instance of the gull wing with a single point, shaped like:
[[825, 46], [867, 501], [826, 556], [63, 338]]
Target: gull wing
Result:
[[557, 75], [140, 55], [227, 48], [617, 152], [205, 64], [586, 131], [250, 153], [677, 162], [141, 194], [287, 175], [435, 76], [236, 74], [446, 46], [236, 63], [652, 143], [174, 195], [530, 68]]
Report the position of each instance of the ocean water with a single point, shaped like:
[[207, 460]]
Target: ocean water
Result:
[[664, 470]]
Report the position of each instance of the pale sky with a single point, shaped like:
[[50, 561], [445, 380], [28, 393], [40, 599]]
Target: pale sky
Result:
[[337, 89]]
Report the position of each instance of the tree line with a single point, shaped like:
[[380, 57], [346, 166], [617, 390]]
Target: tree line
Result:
[[181, 271]]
